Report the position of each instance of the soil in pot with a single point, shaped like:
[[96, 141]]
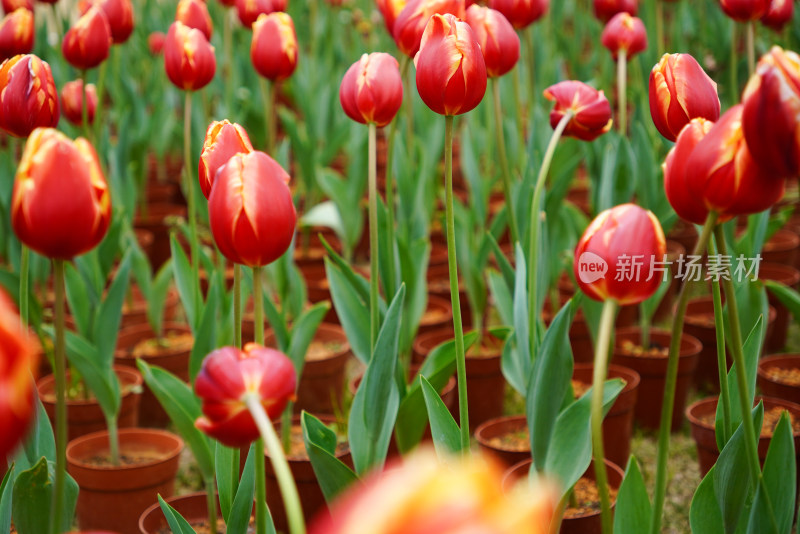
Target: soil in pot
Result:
[[788, 276], [505, 438], [779, 377], [193, 508]]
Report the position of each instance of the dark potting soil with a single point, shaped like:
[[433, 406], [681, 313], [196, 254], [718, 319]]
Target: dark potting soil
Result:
[[586, 498], [126, 459]]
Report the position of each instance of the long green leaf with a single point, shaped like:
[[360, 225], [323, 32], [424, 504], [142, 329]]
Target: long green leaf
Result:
[[109, 314], [226, 484], [205, 336], [238, 520], [704, 514], [633, 507], [333, 475], [184, 279], [352, 310], [780, 482], [32, 499], [444, 429], [176, 522], [303, 331], [6, 487]]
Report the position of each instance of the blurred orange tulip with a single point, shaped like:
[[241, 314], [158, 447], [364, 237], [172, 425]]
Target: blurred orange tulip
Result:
[[16, 33], [779, 14], [194, 13], [499, 42], [249, 10], [273, 49], [521, 13], [605, 9], [188, 57], [88, 42], [413, 19], [744, 10], [223, 141], [72, 101], [28, 95]]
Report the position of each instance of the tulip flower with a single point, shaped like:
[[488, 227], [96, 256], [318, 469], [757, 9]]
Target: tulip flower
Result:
[[223, 141], [28, 96], [521, 13], [9, 6], [155, 42], [744, 10], [249, 10], [605, 9], [273, 49], [421, 494], [194, 14], [588, 109], [16, 33], [413, 20], [88, 42], [390, 9], [680, 90], [780, 12], [72, 101], [120, 18], [497, 38], [624, 33], [188, 57], [372, 90], [771, 118], [676, 179]]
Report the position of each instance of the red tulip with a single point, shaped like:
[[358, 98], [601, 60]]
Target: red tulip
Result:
[[16, 33], [223, 141], [780, 12], [744, 10], [273, 49], [676, 179], [120, 18], [451, 73], [680, 90], [72, 101], [9, 6], [227, 3], [28, 95], [605, 9], [413, 20], [188, 57], [60, 206], [521, 13], [155, 42], [390, 9], [614, 255], [249, 10], [194, 14], [771, 117], [251, 211], [227, 376], [624, 32], [499, 42], [372, 90], [88, 42], [591, 112]]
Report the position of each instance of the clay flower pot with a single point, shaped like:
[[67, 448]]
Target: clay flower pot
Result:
[[438, 277], [684, 233], [664, 309], [84, 416], [134, 308], [193, 507], [652, 369], [786, 275], [157, 221], [779, 377], [438, 315], [113, 498], [318, 288], [506, 439], [781, 248]]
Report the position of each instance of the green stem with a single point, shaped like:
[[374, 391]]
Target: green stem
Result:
[[60, 371], [409, 105], [751, 47], [312, 27], [258, 311], [291, 500], [24, 284], [518, 104], [286, 428], [534, 229], [261, 488], [87, 133], [237, 305], [455, 298], [622, 91], [373, 240], [113, 438], [227, 45], [734, 65], [598, 382], [528, 36], [391, 283], [211, 500], [101, 84], [189, 188], [268, 95], [501, 151], [660, 27], [722, 364], [667, 405]]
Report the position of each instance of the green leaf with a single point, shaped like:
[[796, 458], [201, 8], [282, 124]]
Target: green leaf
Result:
[[633, 509], [177, 524], [516, 360], [788, 296], [226, 483], [704, 514], [39, 442], [32, 499], [333, 475], [277, 322], [157, 297], [501, 293], [6, 487], [303, 331], [205, 336], [185, 280], [751, 349], [109, 314], [78, 299], [241, 512], [352, 310], [444, 429]]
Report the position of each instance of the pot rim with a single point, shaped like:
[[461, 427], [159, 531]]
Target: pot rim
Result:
[[134, 376], [102, 435], [696, 344], [707, 401]]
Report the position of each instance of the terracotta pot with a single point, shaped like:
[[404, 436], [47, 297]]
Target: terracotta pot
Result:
[[321, 388], [705, 436], [113, 498], [781, 248], [485, 381], [786, 275], [665, 307], [176, 361], [85, 416], [134, 308], [498, 428], [652, 371], [438, 315], [588, 523], [769, 386], [193, 507], [157, 221], [227, 280], [684, 233], [319, 290], [618, 423], [439, 287], [309, 249]]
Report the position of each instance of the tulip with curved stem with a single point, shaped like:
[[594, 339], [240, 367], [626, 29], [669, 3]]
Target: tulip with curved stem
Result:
[[268, 97], [506, 172], [60, 370]]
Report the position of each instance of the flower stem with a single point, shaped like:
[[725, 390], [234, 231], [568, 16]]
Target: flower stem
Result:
[[734, 64], [113, 438], [534, 229], [373, 240], [87, 133], [237, 305], [24, 284], [227, 71], [527, 34], [258, 311], [667, 405], [211, 501], [751, 47], [291, 500], [261, 488], [598, 381], [660, 27], [60, 371], [622, 90], [519, 105], [101, 84], [722, 364], [268, 95], [501, 151], [391, 284], [189, 187]]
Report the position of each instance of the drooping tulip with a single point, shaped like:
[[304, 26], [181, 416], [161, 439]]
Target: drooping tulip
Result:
[[499, 42], [680, 90], [188, 57], [591, 112], [273, 49], [88, 42], [28, 95], [120, 18], [605, 9], [451, 73], [223, 141], [372, 89], [250, 208], [72, 101], [676, 179], [744, 10], [249, 10], [780, 12], [413, 20], [227, 376], [390, 9], [155, 42], [521, 13], [614, 255], [61, 205], [771, 118], [624, 32], [194, 13], [16, 33]]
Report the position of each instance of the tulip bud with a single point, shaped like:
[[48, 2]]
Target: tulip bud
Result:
[[615, 253], [499, 42], [155, 42], [249, 10], [624, 32], [17, 359], [521, 13], [390, 9], [686, 205], [772, 113], [28, 96], [744, 10], [605, 9], [680, 90], [591, 112], [250, 208], [16, 33], [413, 20], [60, 206], [780, 12], [9, 6], [372, 90], [227, 376], [88, 42], [451, 73], [72, 101], [273, 49], [120, 18], [194, 14], [188, 57], [223, 141]]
